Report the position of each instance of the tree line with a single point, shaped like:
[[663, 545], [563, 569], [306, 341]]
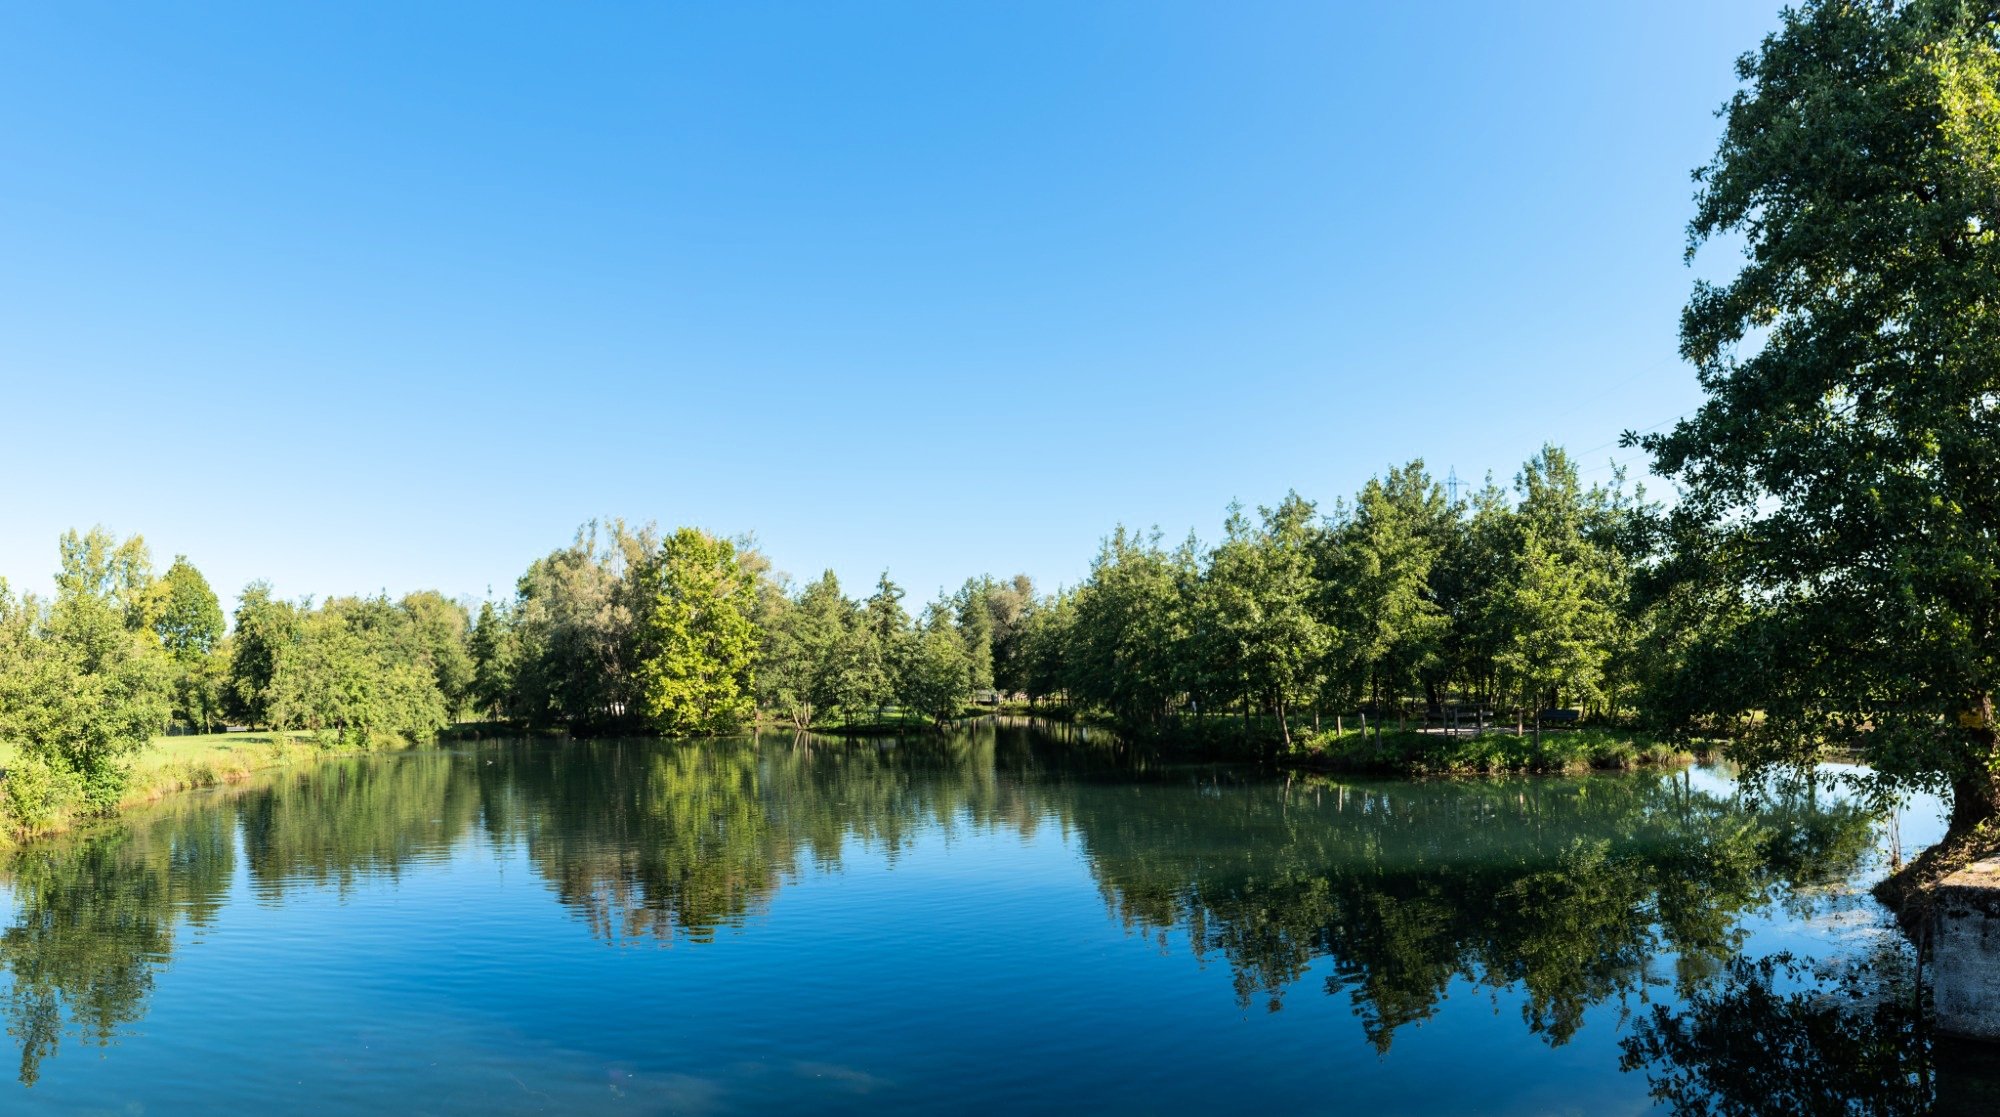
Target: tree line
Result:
[[1402, 599], [1828, 576]]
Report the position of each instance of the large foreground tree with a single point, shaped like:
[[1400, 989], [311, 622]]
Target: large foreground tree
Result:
[[1844, 473]]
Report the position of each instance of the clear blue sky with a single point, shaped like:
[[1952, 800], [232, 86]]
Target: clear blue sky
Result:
[[357, 297]]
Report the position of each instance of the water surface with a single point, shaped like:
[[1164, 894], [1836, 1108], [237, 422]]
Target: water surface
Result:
[[991, 922]]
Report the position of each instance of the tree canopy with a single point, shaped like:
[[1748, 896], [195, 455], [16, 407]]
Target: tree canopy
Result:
[[1841, 481]]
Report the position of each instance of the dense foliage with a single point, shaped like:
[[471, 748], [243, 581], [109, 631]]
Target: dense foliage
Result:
[[1836, 549], [120, 655], [1398, 604], [1402, 604]]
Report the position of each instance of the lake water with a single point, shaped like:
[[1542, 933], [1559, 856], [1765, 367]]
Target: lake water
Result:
[[995, 921]]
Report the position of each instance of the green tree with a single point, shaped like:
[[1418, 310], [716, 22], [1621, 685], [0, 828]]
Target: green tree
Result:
[[972, 612], [1009, 604], [1132, 631], [1844, 469], [189, 625], [439, 630], [190, 620], [697, 643], [801, 671], [1466, 581], [936, 681], [1557, 613], [342, 673], [1555, 621], [494, 648], [91, 684], [1046, 632], [264, 624], [1379, 584], [874, 658], [576, 612], [1261, 605]]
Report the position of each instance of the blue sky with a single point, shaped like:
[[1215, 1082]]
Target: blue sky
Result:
[[357, 297]]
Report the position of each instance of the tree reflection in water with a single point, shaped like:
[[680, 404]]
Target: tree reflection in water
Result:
[[1575, 892], [95, 922], [1775, 1035]]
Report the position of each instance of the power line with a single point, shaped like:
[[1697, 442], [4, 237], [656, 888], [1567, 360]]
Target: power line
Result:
[[1621, 436]]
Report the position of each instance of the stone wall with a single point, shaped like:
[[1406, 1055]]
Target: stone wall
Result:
[[1965, 940]]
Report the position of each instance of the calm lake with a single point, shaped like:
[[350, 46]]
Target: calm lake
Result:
[[994, 921]]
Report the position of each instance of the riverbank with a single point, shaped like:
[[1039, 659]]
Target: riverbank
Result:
[[1408, 752], [1911, 891], [173, 764], [1420, 752], [188, 762]]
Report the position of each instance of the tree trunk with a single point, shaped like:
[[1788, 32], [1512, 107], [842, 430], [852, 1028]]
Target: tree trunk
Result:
[[1974, 799], [1375, 700], [1975, 794]]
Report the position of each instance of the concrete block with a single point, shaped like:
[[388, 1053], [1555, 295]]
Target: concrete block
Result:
[[1965, 941]]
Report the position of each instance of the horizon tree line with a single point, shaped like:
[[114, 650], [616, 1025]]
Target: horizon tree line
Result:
[[1401, 599]]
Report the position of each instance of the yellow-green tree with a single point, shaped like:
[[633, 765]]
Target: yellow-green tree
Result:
[[697, 644]]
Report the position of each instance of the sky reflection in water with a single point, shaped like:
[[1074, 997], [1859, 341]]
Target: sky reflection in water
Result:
[[990, 922]]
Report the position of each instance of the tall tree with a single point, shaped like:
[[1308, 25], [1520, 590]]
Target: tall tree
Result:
[[576, 612], [190, 619], [495, 650], [1555, 621], [973, 615], [439, 628], [937, 674], [802, 672], [264, 625], [697, 646], [1466, 582], [348, 670], [189, 625], [1392, 629], [1133, 628], [1010, 603], [879, 648], [1845, 466], [1263, 601]]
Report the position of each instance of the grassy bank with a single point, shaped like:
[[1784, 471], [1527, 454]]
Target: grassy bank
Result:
[[1409, 752], [1498, 750], [181, 763]]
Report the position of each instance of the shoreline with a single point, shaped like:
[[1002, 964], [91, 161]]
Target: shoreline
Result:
[[192, 762], [174, 764]]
